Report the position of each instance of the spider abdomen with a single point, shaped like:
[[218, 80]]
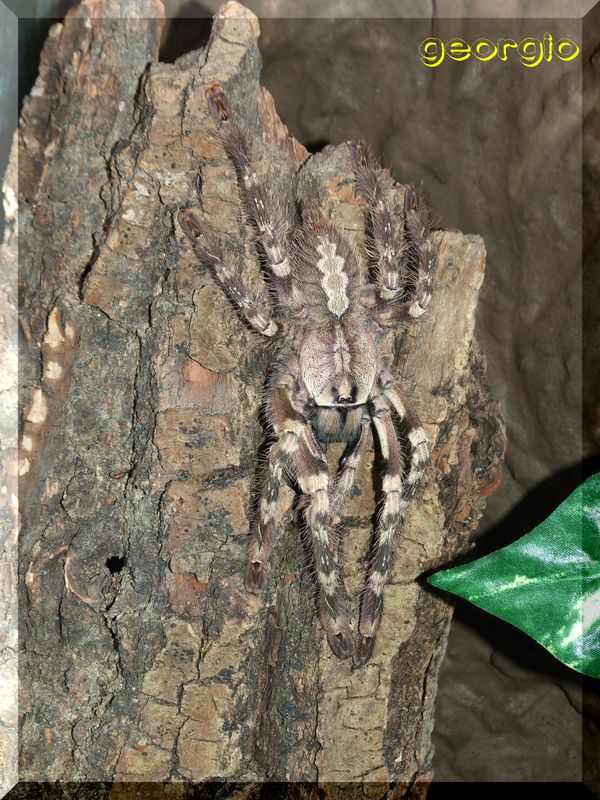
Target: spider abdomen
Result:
[[337, 424], [329, 381]]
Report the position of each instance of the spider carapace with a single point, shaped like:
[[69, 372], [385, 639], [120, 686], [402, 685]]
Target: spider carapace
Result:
[[328, 381]]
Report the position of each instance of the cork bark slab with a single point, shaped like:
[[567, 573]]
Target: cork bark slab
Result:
[[143, 659]]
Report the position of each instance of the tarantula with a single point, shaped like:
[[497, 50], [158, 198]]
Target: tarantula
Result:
[[328, 381]]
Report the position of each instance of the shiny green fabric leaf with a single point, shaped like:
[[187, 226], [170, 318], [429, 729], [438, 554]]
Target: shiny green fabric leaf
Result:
[[547, 583]]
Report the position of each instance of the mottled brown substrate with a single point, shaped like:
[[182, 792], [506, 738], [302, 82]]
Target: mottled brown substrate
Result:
[[143, 658]]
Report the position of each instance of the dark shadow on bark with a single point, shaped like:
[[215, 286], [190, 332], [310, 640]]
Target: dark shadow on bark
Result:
[[442, 790], [535, 507], [32, 35], [189, 30], [290, 791], [316, 146]]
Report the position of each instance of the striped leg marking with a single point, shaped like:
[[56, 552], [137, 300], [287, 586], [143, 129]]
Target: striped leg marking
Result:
[[389, 519], [254, 308], [313, 477], [417, 437], [261, 535], [301, 456], [419, 236], [381, 246], [396, 496], [290, 427], [266, 215], [349, 464], [420, 254]]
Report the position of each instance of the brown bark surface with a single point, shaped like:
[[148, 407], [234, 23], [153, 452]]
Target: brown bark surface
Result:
[[142, 657]]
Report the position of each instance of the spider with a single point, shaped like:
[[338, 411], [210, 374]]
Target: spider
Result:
[[328, 380]]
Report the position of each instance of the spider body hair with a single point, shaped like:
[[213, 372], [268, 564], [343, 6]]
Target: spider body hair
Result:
[[328, 380]]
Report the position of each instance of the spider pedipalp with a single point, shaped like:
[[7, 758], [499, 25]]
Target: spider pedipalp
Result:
[[324, 308]]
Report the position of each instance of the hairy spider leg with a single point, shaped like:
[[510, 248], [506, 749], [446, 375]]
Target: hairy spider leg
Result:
[[312, 474], [403, 274], [264, 212], [261, 534], [421, 240], [289, 426], [381, 247], [346, 476], [350, 462], [297, 453], [396, 497], [389, 300], [423, 251], [417, 437], [254, 308]]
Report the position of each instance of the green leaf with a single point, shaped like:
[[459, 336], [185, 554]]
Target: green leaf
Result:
[[547, 583]]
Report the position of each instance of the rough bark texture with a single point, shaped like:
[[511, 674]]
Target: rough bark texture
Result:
[[498, 149], [9, 504], [143, 658]]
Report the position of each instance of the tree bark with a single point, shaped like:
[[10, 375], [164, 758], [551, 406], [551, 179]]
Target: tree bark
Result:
[[142, 657]]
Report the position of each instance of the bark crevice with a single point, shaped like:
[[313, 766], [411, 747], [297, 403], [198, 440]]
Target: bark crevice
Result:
[[143, 440]]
